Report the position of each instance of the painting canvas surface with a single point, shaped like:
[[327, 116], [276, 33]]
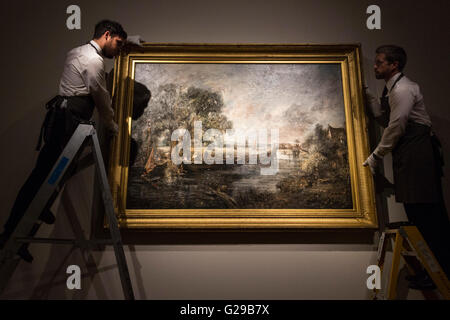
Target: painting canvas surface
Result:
[[303, 102]]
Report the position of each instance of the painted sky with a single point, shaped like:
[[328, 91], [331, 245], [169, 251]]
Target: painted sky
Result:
[[290, 97]]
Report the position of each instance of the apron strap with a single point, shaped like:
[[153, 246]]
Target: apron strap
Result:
[[55, 102], [384, 101], [398, 79]]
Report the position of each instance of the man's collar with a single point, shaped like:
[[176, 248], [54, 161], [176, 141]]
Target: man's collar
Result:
[[392, 80], [97, 47]]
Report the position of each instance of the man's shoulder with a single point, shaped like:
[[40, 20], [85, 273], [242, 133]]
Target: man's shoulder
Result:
[[79, 50], [405, 81], [406, 84], [85, 51], [406, 87], [85, 55]]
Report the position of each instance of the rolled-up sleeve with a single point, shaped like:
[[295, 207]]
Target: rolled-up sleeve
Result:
[[401, 101], [94, 78]]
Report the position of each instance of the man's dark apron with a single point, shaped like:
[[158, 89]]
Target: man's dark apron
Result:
[[417, 162]]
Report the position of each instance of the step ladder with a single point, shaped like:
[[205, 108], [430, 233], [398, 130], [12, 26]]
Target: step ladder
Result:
[[65, 166], [407, 242]]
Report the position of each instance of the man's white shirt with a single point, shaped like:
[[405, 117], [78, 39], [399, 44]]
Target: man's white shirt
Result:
[[83, 74], [406, 105]]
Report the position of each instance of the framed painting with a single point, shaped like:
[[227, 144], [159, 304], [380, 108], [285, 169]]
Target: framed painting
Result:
[[241, 137]]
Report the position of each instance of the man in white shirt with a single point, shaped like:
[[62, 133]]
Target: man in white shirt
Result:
[[82, 86], [84, 70], [417, 158]]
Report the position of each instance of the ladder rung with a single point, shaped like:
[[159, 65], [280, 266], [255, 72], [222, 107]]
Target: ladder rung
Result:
[[46, 240], [409, 253], [64, 241]]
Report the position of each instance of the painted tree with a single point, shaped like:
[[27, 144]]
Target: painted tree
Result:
[[176, 107]]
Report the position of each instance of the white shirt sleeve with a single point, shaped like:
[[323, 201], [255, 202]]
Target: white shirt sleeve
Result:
[[94, 77], [401, 101]]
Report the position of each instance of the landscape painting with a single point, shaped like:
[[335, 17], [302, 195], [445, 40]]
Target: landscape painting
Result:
[[237, 120], [244, 137]]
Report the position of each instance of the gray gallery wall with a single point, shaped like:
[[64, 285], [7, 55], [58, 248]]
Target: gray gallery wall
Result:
[[294, 266]]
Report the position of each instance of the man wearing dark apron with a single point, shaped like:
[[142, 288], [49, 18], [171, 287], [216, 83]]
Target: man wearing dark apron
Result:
[[416, 155], [82, 86]]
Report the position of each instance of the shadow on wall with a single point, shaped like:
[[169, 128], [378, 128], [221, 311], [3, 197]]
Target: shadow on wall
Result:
[[141, 97]]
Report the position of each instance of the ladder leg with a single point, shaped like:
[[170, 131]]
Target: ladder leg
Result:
[[44, 194], [428, 260], [112, 219], [381, 255], [393, 278], [47, 193]]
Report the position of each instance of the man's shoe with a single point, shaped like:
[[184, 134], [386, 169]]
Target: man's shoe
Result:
[[422, 284], [25, 254], [47, 216]]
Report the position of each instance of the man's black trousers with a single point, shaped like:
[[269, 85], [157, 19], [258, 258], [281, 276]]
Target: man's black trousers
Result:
[[47, 158]]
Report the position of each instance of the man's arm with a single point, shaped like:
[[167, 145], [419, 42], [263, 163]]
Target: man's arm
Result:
[[380, 115], [94, 78], [401, 101]]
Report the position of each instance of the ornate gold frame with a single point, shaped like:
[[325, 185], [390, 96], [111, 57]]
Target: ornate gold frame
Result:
[[363, 214]]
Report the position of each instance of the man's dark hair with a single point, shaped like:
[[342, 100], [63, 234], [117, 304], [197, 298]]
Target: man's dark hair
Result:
[[394, 53], [114, 28]]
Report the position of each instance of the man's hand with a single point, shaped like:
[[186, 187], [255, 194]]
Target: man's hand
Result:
[[369, 95], [372, 162], [135, 40], [132, 43]]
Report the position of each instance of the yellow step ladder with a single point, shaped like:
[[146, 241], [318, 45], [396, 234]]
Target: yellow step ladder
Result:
[[409, 244]]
